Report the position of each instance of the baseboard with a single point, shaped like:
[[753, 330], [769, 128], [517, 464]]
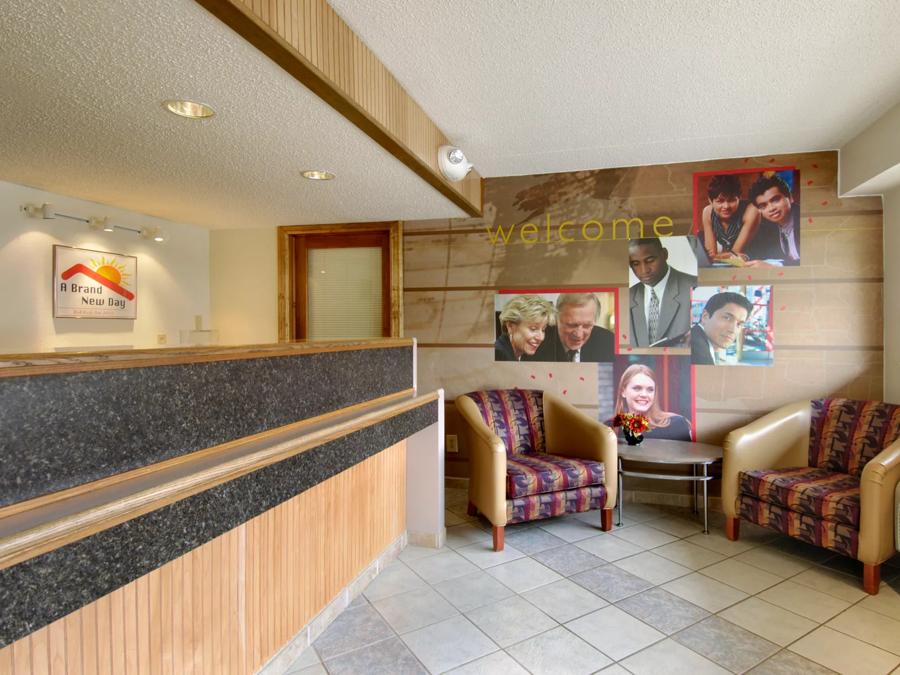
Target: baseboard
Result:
[[282, 660], [428, 539], [456, 483], [666, 499]]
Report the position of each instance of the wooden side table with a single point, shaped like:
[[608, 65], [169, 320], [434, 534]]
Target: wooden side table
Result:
[[663, 452]]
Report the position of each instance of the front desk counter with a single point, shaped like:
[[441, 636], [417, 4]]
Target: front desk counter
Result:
[[203, 511]]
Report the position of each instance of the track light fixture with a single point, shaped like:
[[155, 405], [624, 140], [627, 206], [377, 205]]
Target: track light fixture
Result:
[[96, 223]]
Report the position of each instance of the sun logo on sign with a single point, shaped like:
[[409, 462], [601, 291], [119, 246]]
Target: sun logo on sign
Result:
[[111, 269]]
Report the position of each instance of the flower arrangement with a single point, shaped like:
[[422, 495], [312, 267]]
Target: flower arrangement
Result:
[[633, 423]]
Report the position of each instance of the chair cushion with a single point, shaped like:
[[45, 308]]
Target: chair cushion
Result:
[[828, 534], [845, 434], [541, 473], [515, 415], [534, 507], [816, 492]]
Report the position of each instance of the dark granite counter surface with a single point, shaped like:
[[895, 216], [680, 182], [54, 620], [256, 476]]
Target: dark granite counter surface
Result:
[[42, 589], [66, 429]]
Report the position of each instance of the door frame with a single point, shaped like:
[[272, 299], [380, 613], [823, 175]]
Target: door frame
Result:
[[287, 274]]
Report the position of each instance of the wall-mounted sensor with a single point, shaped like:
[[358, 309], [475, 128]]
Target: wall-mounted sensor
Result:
[[453, 163]]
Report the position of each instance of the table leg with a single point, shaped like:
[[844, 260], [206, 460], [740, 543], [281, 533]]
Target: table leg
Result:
[[694, 488], [621, 496], [705, 501]]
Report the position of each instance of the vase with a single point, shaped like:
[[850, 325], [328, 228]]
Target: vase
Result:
[[632, 439]]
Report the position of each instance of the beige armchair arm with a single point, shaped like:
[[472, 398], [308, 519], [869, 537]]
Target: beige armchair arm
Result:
[[775, 441], [571, 433], [876, 509], [487, 463]]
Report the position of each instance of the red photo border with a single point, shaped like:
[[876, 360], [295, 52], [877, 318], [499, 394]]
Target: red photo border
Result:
[[695, 214], [573, 289]]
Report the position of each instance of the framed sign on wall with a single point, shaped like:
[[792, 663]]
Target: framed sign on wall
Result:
[[91, 284]]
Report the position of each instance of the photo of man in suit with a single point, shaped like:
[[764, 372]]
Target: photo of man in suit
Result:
[[720, 324], [778, 235], [660, 303], [576, 337]]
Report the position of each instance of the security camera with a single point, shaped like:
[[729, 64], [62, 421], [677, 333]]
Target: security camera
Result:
[[453, 163]]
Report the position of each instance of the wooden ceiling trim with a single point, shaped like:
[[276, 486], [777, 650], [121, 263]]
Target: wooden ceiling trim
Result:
[[315, 46]]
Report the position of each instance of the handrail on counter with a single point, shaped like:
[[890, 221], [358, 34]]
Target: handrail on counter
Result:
[[37, 526]]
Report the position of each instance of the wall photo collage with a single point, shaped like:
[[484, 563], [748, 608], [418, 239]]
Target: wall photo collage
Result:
[[742, 218]]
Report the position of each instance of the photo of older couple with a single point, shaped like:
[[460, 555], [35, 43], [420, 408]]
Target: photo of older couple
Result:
[[575, 326], [748, 218]]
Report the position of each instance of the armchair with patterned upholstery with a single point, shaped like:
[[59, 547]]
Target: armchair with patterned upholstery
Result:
[[532, 456], [824, 472]]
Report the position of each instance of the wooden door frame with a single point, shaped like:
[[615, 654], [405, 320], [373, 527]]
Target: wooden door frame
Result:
[[286, 276]]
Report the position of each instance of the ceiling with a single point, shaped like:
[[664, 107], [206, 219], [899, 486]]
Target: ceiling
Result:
[[536, 86], [524, 86], [81, 115]]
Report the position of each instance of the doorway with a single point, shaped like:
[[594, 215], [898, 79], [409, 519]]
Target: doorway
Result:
[[339, 282]]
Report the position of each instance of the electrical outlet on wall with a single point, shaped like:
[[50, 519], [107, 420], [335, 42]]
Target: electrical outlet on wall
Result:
[[452, 443], [162, 339]]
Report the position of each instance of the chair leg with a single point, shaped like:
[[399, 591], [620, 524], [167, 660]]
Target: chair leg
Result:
[[606, 520], [498, 537], [732, 528], [871, 578], [471, 510]]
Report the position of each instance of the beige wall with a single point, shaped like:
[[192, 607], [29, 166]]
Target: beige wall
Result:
[[828, 312], [243, 285], [892, 296], [870, 164], [172, 278], [871, 153]]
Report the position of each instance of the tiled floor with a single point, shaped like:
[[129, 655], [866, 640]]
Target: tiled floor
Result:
[[653, 596]]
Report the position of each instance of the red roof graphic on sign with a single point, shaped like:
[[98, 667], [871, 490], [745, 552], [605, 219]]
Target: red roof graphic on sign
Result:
[[78, 268]]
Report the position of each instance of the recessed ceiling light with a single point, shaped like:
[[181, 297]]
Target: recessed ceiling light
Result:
[[317, 175], [190, 109]]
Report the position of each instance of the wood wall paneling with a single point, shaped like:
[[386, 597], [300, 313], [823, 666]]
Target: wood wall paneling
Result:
[[828, 311], [231, 604]]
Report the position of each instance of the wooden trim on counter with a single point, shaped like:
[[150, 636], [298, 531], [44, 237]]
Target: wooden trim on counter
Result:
[[231, 604], [44, 500], [98, 512], [16, 365]]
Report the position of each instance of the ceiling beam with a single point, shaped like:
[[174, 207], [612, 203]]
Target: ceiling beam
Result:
[[316, 47]]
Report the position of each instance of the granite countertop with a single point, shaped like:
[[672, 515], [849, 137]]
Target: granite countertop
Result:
[[13, 365], [61, 556]]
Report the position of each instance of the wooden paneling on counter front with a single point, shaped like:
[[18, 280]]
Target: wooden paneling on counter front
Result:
[[828, 311], [231, 604]]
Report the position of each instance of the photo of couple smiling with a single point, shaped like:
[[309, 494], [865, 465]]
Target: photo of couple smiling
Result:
[[575, 326], [748, 218]]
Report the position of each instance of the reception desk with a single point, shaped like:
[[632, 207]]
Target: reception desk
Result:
[[204, 510]]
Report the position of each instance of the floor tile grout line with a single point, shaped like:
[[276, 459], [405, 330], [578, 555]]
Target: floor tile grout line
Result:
[[872, 644], [766, 545], [356, 649]]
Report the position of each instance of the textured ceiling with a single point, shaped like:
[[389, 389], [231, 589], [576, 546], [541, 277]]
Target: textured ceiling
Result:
[[81, 114], [534, 86]]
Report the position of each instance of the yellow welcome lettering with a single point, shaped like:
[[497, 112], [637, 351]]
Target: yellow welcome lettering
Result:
[[628, 222], [495, 236], [532, 230]]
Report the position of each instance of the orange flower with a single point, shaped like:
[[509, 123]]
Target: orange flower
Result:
[[635, 423]]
